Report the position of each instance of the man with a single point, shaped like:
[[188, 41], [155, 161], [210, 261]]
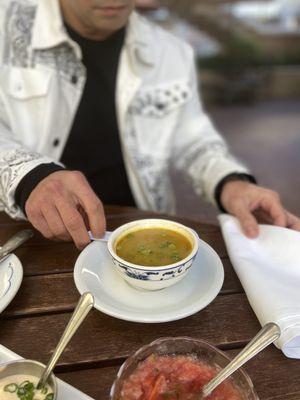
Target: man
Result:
[[89, 85]]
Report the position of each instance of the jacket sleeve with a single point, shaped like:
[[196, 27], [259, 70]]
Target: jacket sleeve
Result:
[[15, 162], [199, 150]]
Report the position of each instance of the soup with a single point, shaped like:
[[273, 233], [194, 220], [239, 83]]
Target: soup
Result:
[[23, 387], [153, 247], [164, 377]]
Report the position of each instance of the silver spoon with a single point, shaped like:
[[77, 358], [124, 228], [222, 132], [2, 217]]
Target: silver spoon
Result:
[[84, 305], [267, 335]]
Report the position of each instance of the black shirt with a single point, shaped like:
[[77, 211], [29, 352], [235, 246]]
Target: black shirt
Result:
[[93, 146]]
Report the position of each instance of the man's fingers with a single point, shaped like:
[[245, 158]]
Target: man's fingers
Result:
[[55, 223], [247, 221], [96, 217], [253, 204], [93, 208], [73, 222], [75, 226], [293, 222], [64, 206], [38, 221], [276, 211]]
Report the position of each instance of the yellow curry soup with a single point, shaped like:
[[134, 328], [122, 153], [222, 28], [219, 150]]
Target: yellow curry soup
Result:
[[153, 246]]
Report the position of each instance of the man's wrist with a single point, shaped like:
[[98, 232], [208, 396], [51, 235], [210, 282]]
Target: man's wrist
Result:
[[230, 178], [31, 180]]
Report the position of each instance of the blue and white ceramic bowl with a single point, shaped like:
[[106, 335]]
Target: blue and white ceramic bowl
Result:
[[152, 278]]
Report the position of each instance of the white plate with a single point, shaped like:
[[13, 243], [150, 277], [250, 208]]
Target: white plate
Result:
[[65, 391], [94, 272], [11, 275]]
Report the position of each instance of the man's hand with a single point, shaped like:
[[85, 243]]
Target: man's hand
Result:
[[247, 201], [63, 207]]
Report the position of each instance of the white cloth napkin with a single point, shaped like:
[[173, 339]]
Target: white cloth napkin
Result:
[[269, 270]]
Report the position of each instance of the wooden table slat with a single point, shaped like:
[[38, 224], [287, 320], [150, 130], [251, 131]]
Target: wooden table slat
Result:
[[33, 323], [104, 338], [44, 294]]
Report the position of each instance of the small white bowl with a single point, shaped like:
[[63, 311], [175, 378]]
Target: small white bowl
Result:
[[28, 367], [153, 278]]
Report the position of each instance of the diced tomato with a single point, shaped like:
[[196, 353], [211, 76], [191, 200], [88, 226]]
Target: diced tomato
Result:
[[174, 378], [158, 387]]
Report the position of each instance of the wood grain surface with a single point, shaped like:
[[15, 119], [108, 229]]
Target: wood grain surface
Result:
[[33, 322]]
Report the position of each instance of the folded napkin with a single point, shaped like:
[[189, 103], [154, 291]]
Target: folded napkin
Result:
[[269, 270]]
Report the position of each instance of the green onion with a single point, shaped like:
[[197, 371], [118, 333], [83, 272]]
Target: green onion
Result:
[[44, 390], [29, 386], [163, 245], [175, 257], [11, 388], [21, 391], [24, 383], [26, 391]]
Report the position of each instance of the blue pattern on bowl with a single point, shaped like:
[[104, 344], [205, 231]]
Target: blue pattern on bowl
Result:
[[157, 275]]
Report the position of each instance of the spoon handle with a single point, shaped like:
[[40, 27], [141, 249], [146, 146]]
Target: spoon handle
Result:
[[103, 239], [84, 305], [265, 336]]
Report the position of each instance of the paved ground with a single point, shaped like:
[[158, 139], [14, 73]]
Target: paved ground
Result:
[[266, 136]]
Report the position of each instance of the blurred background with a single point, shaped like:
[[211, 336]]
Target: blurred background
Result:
[[248, 58]]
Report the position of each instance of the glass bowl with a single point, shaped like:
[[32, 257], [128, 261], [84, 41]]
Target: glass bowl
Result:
[[183, 346]]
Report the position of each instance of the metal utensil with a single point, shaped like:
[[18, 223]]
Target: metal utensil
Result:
[[14, 242], [267, 335], [84, 305], [103, 239]]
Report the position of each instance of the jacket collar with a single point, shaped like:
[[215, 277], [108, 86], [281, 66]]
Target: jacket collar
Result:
[[140, 39], [49, 31]]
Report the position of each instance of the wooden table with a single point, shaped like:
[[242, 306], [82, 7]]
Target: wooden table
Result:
[[34, 321]]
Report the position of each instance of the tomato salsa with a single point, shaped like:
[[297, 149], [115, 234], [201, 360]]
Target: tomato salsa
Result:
[[161, 377]]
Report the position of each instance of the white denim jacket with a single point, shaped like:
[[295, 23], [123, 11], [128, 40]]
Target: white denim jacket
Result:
[[160, 118]]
